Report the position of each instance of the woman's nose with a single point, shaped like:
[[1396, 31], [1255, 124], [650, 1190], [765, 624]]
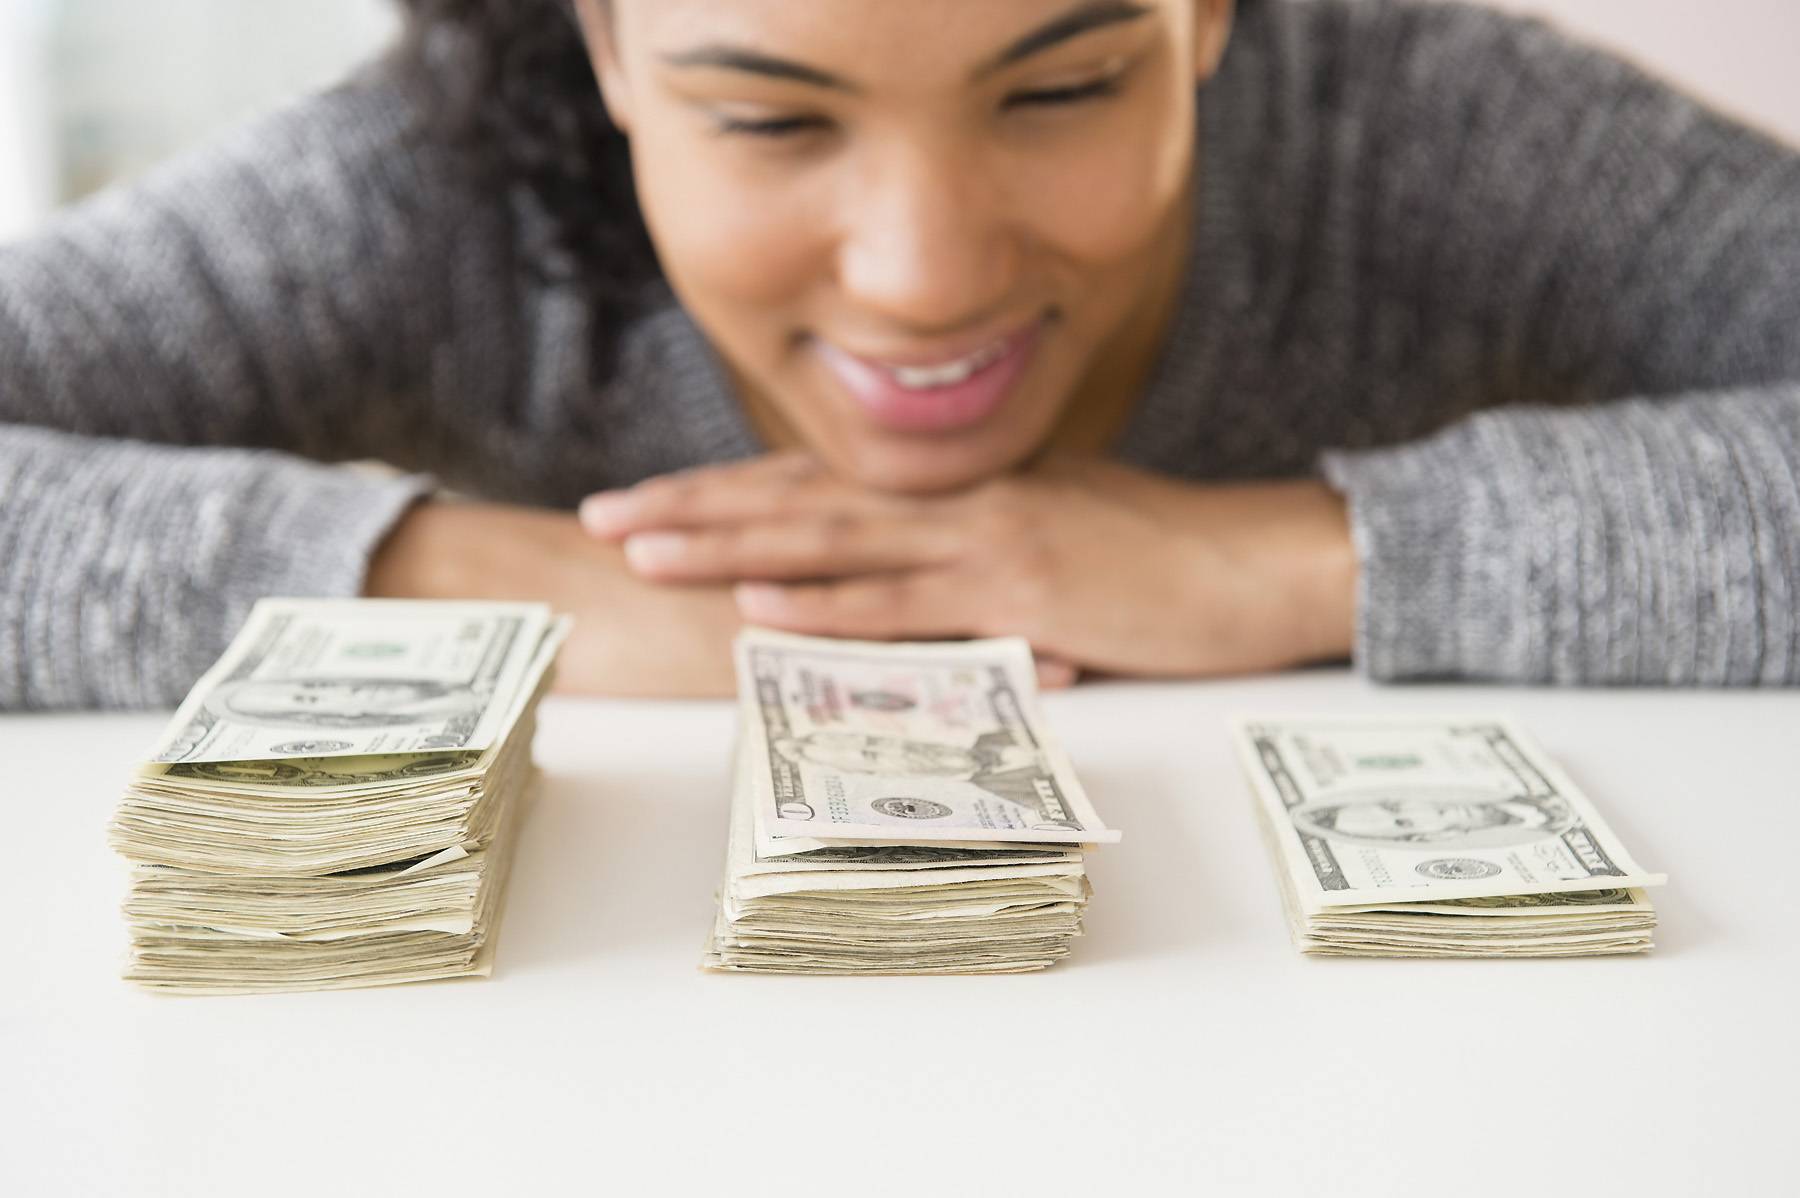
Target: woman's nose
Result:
[[926, 246]]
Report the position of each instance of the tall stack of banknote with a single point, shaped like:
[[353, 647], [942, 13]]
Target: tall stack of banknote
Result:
[[332, 806], [1427, 837], [898, 808]]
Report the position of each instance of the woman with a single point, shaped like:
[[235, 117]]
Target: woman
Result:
[[1420, 335]]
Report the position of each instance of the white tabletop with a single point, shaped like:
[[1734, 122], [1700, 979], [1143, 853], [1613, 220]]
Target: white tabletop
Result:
[[1184, 1042]]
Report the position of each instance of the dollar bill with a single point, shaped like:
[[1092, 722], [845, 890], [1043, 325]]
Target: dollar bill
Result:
[[849, 742], [1374, 811], [957, 882], [373, 858], [321, 678], [320, 775]]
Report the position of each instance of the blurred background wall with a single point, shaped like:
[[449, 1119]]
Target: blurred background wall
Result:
[[93, 90], [1741, 55]]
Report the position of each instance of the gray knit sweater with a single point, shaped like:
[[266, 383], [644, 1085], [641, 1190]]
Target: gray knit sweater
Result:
[[1536, 314]]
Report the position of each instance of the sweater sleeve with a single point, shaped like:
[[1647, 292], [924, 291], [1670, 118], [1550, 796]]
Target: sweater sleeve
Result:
[[130, 566], [1625, 264], [171, 354], [1645, 541], [285, 287]]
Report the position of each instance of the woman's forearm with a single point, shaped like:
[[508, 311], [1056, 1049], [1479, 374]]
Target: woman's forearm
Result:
[[631, 637]]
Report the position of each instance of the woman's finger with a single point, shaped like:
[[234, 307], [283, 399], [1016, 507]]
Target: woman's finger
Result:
[[818, 547], [914, 605], [705, 495], [1054, 674], [774, 488]]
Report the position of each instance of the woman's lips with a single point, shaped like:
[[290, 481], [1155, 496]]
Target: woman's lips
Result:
[[946, 395]]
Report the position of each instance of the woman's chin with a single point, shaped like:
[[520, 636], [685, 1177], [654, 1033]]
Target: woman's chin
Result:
[[922, 466]]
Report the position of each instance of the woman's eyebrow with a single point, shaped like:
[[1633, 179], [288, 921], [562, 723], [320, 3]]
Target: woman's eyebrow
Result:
[[755, 62], [1083, 18]]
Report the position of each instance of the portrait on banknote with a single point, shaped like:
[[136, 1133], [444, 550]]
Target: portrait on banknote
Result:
[[343, 702], [996, 762], [1439, 817], [877, 753]]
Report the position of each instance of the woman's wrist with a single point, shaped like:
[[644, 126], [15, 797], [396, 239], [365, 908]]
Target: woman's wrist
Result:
[[452, 549], [1288, 549], [411, 562], [631, 637], [1324, 569]]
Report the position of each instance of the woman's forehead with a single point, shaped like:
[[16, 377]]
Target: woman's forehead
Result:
[[963, 32]]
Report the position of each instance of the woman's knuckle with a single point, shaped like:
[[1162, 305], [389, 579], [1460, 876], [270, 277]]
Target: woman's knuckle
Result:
[[717, 547], [876, 610], [833, 534], [798, 465], [669, 493], [1005, 518], [1026, 586]]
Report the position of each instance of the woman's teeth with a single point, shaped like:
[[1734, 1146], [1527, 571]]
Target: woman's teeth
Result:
[[948, 374]]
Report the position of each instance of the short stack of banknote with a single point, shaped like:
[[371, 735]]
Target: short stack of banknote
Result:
[[1434, 837], [333, 804], [898, 808]]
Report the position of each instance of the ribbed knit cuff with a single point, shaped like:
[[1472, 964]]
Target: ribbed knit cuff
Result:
[[1409, 519], [131, 566], [1635, 542], [1435, 527]]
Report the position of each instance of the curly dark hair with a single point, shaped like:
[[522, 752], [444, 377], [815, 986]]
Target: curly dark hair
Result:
[[516, 91]]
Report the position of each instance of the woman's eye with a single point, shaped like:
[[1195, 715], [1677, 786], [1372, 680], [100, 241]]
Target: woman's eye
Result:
[[785, 126], [1074, 93]]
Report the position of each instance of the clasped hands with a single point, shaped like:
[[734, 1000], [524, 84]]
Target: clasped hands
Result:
[[1100, 566]]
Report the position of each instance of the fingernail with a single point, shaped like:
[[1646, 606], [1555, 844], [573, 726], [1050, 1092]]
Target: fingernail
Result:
[[602, 513], [753, 597], [654, 550]]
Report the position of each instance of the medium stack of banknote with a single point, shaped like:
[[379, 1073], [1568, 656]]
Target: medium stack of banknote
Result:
[[1429, 837], [898, 808], [332, 805]]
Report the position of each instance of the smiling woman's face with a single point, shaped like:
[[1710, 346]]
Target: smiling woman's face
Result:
[[928, 236]]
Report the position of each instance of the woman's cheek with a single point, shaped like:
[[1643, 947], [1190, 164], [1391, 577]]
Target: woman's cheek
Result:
[[1105, 197], [727, 234]]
